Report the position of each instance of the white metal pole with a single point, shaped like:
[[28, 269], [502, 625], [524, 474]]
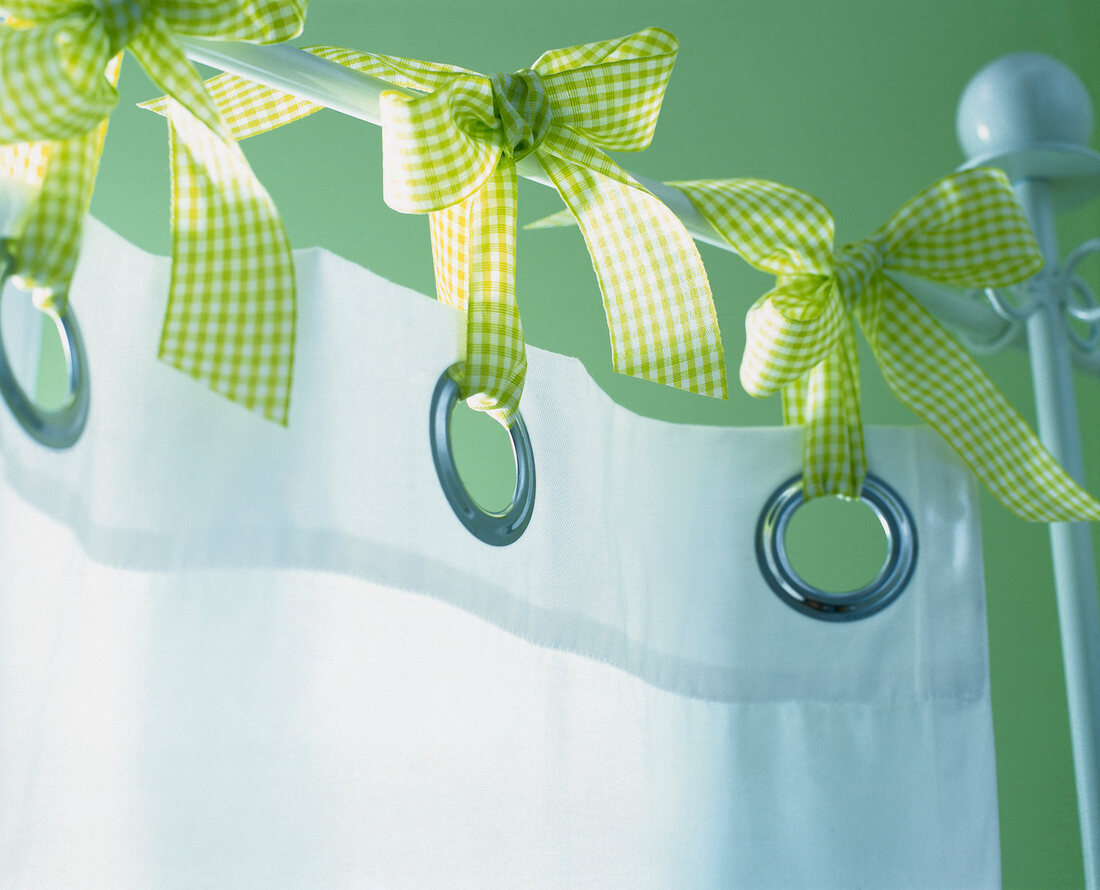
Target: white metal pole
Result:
[[1032, 116], [1071, 544]]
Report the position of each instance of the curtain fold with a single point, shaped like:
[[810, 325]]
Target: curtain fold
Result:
[[236, 655]]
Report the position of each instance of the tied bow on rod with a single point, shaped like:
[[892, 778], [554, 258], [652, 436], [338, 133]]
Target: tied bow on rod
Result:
[[231, 311], [452, 153], [965, 231]]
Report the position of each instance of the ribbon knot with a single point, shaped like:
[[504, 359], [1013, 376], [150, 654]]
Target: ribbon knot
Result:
[[121, 19], [523, 107], [856, 266]]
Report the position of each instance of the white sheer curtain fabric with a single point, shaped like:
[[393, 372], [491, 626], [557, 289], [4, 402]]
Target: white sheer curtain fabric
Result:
[[234, 655]]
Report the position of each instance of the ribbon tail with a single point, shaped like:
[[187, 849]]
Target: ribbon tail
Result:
[[825, 401], [932, 374], [660, 312], [51, 227], [247, 107], [558, 220], [231, 312], [795, 395], [474, 249], [63, 174]]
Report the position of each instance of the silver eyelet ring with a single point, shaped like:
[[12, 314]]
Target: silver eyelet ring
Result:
[[498, 529], [54, 429], [897, 569]]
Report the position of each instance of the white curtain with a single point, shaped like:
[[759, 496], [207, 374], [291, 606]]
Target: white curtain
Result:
[[234, 655]]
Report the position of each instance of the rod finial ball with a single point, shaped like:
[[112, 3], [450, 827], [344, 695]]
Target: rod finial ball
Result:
[[1022, 101]]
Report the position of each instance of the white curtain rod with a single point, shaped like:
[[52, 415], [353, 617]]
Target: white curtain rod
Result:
[[354, 93]]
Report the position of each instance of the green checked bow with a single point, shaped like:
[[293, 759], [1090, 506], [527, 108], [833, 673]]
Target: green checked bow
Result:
[[453, 152], [231, 315], [966, 231]]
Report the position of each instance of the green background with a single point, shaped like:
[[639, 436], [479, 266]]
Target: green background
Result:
[[850, 100]]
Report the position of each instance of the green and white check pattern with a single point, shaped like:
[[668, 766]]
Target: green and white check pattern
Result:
[[230, 320], [452, 153], [966, 231]]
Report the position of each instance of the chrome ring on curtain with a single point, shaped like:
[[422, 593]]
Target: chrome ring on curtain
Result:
[[791, 588], [63, 427], [497, 529]]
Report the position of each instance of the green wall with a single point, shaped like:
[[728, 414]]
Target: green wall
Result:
[[850, 100]]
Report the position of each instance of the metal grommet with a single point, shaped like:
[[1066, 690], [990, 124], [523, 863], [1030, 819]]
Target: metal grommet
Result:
[[54, 429], [497, 529], [897, 569]]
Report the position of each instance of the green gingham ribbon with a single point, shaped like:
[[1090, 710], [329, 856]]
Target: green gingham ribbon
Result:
[[230, 320], [966, 231], [452, 153]]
